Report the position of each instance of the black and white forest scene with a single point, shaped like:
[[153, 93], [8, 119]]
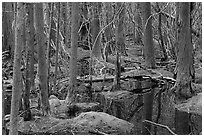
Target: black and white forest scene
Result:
[[101, 68]]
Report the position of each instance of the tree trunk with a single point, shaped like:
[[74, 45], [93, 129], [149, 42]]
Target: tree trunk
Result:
[[73, 61], [139, 24], [42, 65], [108, 30], [120, 34], [17, 83], [120, 44], [147, 39], [64, 18], [68, 25], [57, 47], [48, 46], [150, 63], [29, 60], [184, 66], [160, 34], [7, 29], [96, 50]]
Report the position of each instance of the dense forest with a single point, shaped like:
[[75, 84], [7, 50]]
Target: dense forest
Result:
[[102, 68]]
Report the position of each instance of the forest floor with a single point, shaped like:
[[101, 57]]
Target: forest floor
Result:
[[108, 111]]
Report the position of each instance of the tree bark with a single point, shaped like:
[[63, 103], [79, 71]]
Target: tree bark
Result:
[[73, 61], [17, 77], [160, 34], [57, 47], [68, 25], [150, 63], [42, 65], [48, 46], [120, 34], [184, 66], [120, 44], [29, 60], [96, 50], [7, 29], [147, 39]]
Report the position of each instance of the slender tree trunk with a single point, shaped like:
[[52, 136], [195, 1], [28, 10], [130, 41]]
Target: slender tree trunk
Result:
[[42, 65], [48, 46], [192, 7], [57, 47], [160, 34], [96, 50], [150, 63], [108, 30], [17, 83], [120, 34], [68, 26], [148, 41], [63, 17], [73, 61], [119, 45], [29, 60], [139, 25], [7, 29]]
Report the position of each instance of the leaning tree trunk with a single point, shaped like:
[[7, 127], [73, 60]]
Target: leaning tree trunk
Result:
[[42, 65], [17, 83], [73, 61], [150, 63]]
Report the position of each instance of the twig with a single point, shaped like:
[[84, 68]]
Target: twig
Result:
[[159, 107], [160, 125], [97, 132]]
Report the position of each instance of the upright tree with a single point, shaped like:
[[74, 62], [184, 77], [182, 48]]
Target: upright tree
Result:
[[8, 29], [48, 45], [149, 60], [184, 66], [108, 31], [42, 65], [73, 61], [29, 60], [17, 76], [57, 45], [120, 34], [120, 43], [147, 38], [158, 10], [96, 50]]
